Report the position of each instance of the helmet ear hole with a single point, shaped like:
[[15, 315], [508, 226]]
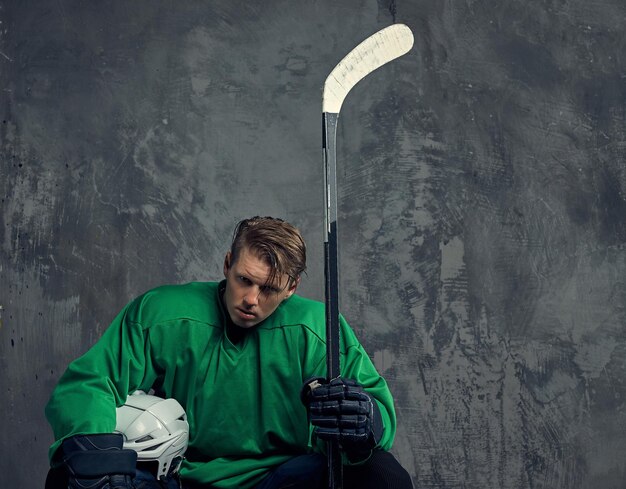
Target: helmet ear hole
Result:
[[155, 428], [152, 467]]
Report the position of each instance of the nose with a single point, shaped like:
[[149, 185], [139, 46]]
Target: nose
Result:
[[251, 298]]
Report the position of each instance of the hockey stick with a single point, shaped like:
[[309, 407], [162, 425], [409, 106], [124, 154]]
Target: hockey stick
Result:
[[378, 49]]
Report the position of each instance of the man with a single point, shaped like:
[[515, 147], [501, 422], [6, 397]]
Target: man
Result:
[[246, 359]]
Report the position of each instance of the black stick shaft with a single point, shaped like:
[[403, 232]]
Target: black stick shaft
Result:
[[331, 275]]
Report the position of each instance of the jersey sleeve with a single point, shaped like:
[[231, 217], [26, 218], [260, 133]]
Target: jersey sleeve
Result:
[[356, 364], [85, 398]]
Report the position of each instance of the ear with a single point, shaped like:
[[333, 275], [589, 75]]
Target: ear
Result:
[[292, 289], [227, 263]]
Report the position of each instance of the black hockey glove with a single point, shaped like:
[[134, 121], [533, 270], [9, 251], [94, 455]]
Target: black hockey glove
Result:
[[342, 411], [98, 462]]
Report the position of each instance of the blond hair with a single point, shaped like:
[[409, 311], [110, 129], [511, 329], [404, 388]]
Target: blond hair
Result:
[[276, 241]]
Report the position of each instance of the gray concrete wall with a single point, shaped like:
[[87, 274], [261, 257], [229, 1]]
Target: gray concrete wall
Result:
[[482, 204]]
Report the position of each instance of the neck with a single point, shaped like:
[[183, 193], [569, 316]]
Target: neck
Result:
[[234, 333]]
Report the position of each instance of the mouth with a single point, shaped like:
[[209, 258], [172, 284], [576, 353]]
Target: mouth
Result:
[[245, 314]]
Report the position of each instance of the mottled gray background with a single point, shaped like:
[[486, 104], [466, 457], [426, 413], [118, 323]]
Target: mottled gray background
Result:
[[482, 206]]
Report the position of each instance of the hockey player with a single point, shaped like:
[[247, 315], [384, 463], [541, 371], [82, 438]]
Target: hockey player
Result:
[[245, 358]]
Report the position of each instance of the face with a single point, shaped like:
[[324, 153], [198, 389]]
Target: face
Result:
[[248, 297]]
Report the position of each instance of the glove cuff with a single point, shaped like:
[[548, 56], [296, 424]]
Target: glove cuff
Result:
[[377, 423], [90, 456]]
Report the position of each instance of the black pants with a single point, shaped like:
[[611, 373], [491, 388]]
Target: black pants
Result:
[[58, 479], [381, 471]]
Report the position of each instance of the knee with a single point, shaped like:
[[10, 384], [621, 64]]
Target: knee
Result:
[[385, 472]]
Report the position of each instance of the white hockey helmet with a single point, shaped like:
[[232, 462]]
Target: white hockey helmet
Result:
[[156, 429]]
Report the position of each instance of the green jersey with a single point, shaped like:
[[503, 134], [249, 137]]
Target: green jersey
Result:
[[242, 399]]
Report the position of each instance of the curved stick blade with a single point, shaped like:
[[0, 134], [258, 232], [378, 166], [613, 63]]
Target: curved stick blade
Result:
[[378, 49]]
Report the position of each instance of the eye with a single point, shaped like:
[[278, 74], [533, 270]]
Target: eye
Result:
[[266, 289], [244, 280]]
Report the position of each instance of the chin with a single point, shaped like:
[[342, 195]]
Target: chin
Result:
[[246, 325]]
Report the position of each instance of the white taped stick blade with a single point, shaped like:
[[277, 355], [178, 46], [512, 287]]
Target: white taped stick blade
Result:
[[378, 49]]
